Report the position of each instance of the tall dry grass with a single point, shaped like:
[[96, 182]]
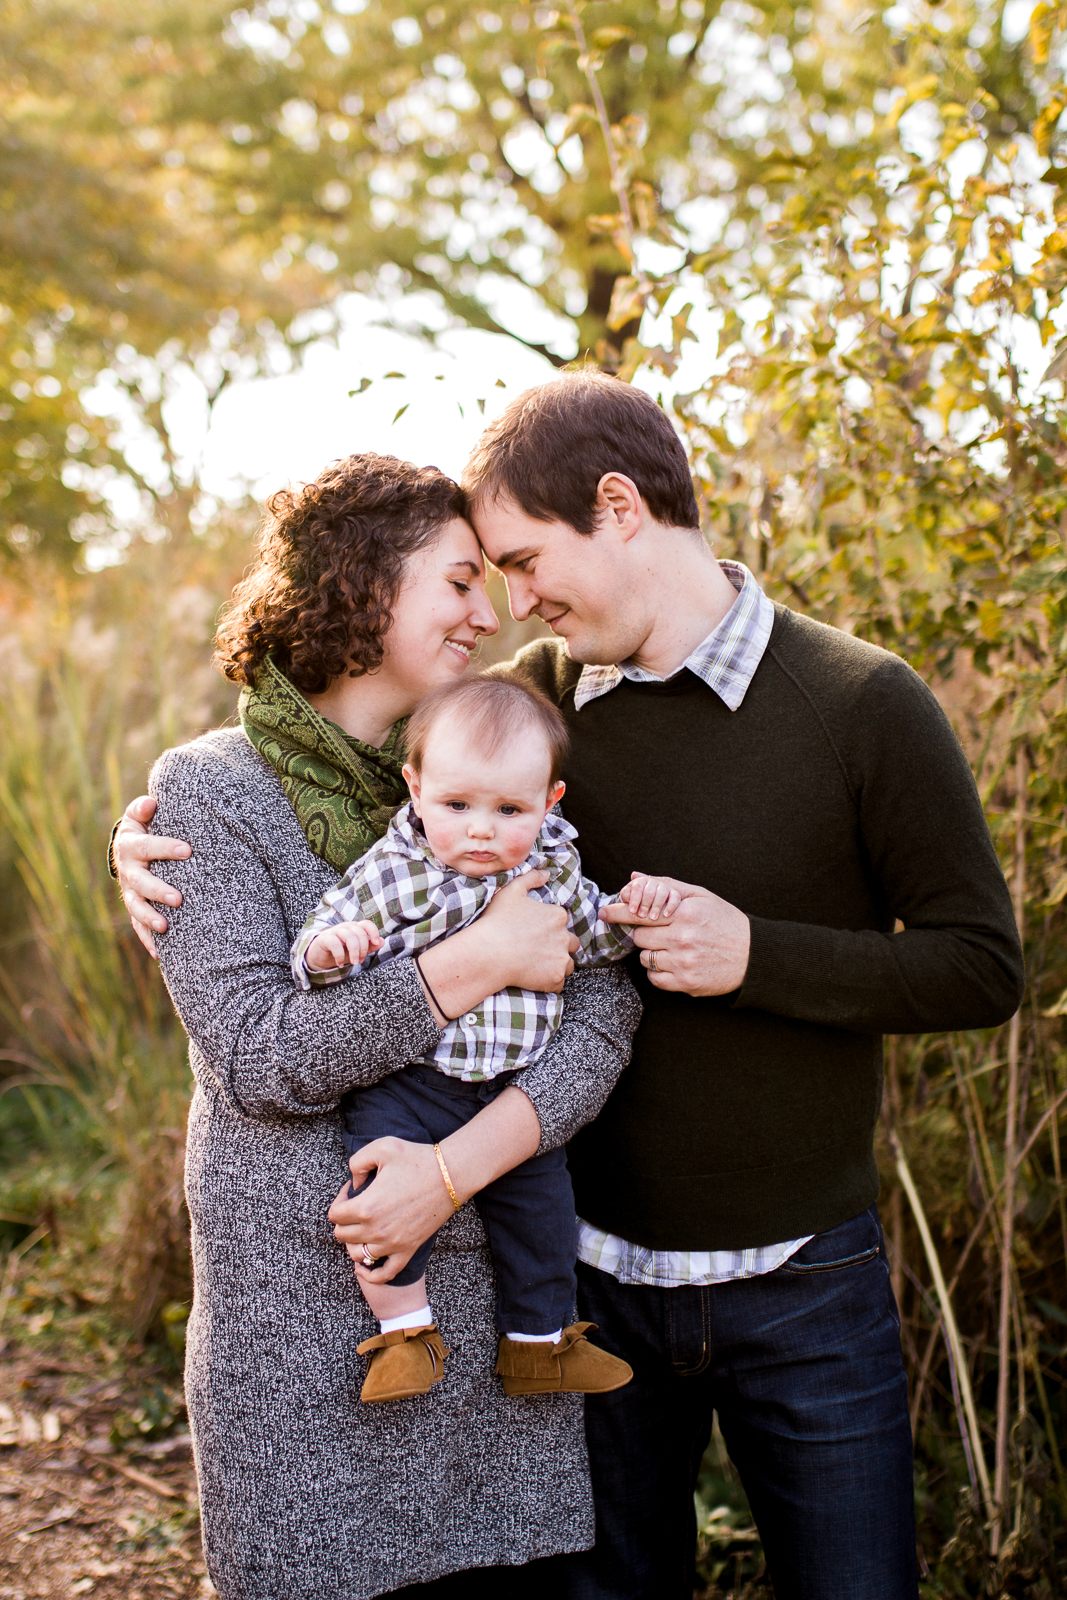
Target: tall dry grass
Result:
[[100, 674]]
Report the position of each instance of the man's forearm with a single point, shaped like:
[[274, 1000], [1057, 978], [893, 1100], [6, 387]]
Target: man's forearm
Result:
[[922, 980]]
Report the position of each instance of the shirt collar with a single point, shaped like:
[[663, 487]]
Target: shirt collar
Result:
[[726, 660]]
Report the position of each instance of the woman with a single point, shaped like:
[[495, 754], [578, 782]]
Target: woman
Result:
[[368, 591]]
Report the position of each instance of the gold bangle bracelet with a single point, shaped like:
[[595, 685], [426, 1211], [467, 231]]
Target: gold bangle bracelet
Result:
[[444, 1173]]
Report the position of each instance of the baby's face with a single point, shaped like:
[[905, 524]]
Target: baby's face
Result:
[[482, 814]]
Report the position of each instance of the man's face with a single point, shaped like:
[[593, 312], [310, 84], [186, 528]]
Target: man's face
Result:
[[580, 584]]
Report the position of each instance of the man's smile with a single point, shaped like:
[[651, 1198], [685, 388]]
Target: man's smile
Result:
[[552, 620]]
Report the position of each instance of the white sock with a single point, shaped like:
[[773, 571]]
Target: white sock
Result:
[[535, 1338], [410, 1319]]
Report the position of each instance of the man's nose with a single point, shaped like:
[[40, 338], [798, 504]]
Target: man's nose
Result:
[[521, 597]]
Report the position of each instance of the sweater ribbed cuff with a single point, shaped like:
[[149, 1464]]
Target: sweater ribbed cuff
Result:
[[786, 960]]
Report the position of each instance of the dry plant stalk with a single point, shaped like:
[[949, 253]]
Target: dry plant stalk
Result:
[[618, 182], [952, 1332], [1002, 1476]]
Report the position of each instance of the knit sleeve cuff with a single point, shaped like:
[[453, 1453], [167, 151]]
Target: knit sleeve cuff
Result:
[[786, 962]]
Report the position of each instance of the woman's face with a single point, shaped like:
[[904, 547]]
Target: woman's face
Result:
[[440, 613]]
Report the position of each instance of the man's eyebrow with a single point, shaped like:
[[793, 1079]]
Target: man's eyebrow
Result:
[[521, 553]]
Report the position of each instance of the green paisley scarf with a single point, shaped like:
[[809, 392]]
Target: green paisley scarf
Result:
[[344, 792]]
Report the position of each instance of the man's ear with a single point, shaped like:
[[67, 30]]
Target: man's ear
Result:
[[414, 783], [620, 504]]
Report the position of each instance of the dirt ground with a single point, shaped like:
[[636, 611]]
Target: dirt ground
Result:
[[97, 1493]]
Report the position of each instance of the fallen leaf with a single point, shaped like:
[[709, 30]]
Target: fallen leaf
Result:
[[62, 1514], [29, 1429], [50, 1427]]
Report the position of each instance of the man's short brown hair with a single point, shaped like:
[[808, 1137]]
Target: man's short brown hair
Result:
[[552, 445], [492, 711]]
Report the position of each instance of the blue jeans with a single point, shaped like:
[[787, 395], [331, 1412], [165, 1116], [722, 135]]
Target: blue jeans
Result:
[[528, 1214], [804, 1367]]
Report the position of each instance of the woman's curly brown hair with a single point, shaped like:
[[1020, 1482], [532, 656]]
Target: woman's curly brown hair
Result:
[[319, 597]]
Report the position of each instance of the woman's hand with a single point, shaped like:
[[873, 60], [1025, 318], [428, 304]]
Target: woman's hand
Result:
[[404, 1205], [517, 942], [408, 1200], [133, 846]]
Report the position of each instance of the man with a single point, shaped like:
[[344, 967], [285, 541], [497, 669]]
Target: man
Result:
[[812, 789]]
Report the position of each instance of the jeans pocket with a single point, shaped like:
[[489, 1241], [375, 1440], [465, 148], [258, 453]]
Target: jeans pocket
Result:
[[848, 1245]]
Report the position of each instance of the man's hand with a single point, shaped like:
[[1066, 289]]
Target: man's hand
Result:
[[133, 846], [703, 950], [347, 944]]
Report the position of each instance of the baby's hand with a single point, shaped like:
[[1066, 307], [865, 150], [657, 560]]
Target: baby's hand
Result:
[[346, 945], [650, 899]]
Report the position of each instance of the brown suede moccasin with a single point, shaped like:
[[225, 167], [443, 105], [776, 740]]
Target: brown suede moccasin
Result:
[[573, 1366], [402, 1363]]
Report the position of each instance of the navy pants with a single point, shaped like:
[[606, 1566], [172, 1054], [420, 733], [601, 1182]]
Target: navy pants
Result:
[[804, 1367], [528, 1214]]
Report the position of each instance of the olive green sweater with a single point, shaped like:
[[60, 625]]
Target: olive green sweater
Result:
[[834, 801]]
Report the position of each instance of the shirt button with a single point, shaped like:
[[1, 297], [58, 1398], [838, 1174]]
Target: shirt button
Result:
[[471, 1018]]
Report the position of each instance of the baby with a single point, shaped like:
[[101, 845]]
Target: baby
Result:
[[484, 761]]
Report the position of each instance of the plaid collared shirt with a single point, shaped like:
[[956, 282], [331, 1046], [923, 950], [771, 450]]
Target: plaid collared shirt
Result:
[[414, 902], [726, 660]]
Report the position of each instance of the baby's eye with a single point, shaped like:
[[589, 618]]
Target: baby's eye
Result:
[[509, 811], [456, 805]]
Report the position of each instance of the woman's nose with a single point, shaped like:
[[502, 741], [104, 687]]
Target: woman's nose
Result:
[[482, 618]]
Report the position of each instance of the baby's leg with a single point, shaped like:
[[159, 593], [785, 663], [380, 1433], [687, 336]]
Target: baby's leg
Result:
[[391, 1107], [529, 1221], [399, 1305]]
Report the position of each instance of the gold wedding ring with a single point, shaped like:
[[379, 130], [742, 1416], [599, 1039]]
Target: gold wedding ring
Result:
[[652, 954]]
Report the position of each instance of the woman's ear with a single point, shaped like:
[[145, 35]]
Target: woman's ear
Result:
[[411, 778]]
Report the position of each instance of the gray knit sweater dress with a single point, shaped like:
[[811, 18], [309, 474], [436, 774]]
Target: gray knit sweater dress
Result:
[[305, 1493]]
